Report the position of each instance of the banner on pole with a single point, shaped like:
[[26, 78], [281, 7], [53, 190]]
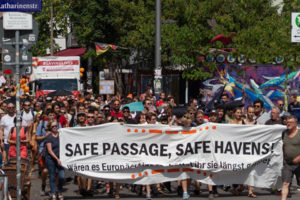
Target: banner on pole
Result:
[[212, 153]]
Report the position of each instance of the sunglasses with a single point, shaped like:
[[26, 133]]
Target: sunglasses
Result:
[[126, 111], [90, 117], [256, 106], [55, 126], [10, 107], [26, 105]]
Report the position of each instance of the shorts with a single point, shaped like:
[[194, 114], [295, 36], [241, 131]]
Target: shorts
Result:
[[42, 161], [288, 172]]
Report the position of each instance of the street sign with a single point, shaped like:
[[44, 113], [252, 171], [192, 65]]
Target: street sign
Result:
[[17, 21], [296, 20], [9, 56], [295, 32], [295, 37], [20, 5], [27, 37]]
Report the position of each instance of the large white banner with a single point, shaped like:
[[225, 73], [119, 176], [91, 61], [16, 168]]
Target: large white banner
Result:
[[57, 64], [145, 154]]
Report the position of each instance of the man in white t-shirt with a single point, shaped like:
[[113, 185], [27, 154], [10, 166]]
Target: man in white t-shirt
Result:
[[27, 114], [6, 123]]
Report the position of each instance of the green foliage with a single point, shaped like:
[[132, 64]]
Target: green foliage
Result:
[[261, 33], [61, 23]]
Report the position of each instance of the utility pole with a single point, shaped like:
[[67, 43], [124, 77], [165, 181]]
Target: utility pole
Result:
[[18, 114], [157, 71], [51, 30]]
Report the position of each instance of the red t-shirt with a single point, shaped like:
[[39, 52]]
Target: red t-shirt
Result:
[[159, 103], [118, 115]]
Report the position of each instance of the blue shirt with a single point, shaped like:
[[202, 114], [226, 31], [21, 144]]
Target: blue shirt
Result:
[[41, 132]]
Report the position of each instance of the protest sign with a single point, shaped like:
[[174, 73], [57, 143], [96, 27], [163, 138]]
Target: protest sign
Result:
[[135, 106], [212, 153]]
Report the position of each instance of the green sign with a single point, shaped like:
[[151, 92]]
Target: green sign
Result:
[[298, 20]]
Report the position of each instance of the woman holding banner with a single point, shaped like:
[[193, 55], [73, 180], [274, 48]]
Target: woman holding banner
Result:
[[237, 119], [53, 162], [250, 121], [186, 122]]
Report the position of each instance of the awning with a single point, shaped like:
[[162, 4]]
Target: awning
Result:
[[71, 52]]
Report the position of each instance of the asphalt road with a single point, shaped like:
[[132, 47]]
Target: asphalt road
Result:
[[70, 192]]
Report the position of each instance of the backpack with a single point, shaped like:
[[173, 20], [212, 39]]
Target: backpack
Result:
[[32, 112]]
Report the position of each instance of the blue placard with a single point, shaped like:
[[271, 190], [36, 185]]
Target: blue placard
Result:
[[20, 5], [135, 106]]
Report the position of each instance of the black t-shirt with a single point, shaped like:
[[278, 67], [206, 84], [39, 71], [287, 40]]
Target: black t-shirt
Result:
[[55, 144], [273, 122], [292, 106]]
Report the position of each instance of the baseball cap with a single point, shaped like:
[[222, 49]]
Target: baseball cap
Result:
[[213, 112], [81, 113]]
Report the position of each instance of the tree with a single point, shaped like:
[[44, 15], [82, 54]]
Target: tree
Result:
[[60, 8]]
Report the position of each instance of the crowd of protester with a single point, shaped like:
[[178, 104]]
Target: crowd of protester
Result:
[[43, 116]]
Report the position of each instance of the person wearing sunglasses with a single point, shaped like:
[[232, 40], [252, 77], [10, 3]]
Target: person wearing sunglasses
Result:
[[260, 115], [280, 105], [12, 139], [6, 124], [115, 111], [127, 118], [27, 114], [53, 162]]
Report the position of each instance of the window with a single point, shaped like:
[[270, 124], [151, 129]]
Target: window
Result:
[[58, 84]]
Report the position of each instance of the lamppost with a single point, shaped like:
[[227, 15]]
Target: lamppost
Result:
[[157, 70]]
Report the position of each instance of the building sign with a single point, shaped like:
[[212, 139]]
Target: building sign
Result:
[[57, 64]]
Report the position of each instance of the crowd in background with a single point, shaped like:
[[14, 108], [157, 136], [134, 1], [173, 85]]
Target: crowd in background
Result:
[[43, 116]]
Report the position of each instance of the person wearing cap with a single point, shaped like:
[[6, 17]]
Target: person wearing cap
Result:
[[48, 99], [164, 119], [213, 116], [127, 116]]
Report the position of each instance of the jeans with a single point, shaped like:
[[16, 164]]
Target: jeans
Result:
[[53, 167]]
